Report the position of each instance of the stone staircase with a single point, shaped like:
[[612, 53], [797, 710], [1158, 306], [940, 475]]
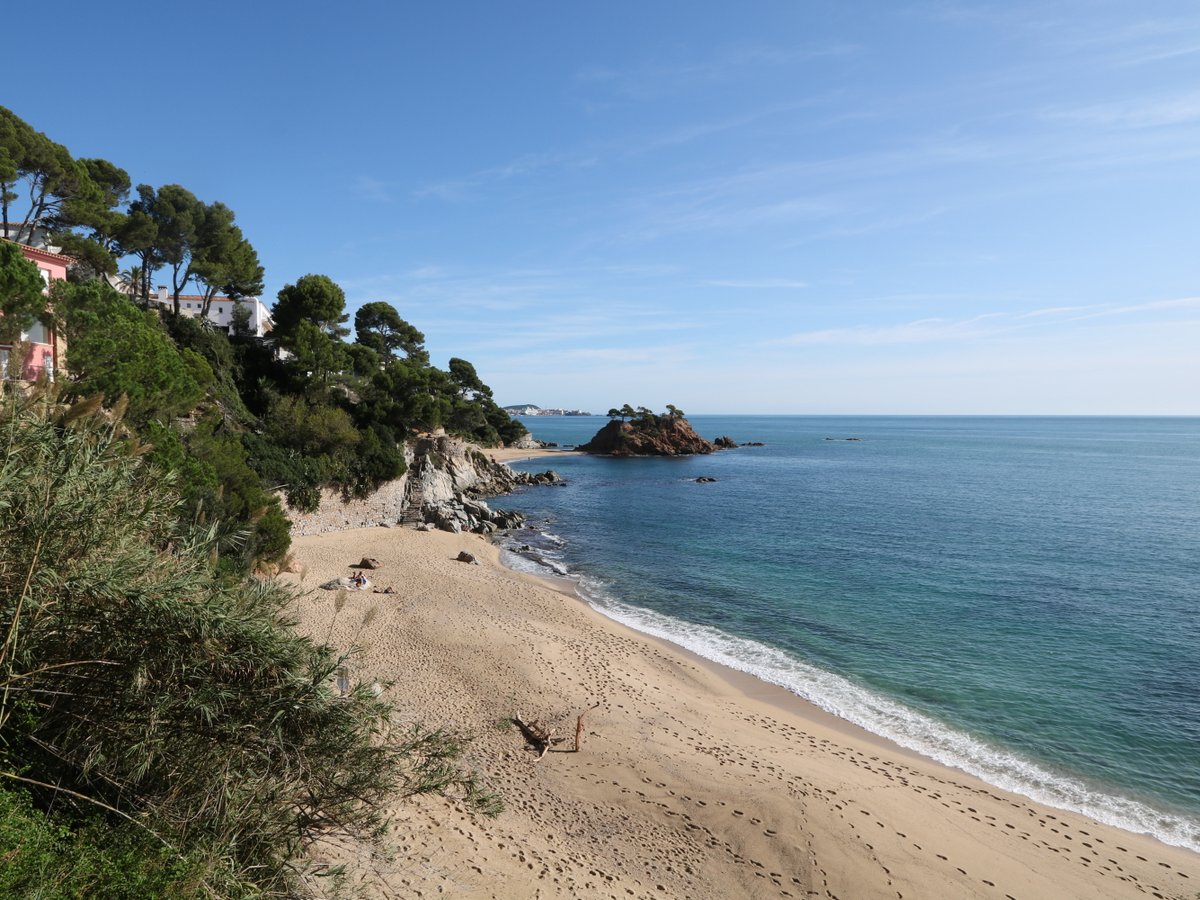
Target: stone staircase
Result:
[[414, 501]]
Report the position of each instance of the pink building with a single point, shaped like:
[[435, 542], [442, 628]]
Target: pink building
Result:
[[47, 348]]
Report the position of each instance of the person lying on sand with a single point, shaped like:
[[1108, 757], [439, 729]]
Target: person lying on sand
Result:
[[358, 581]]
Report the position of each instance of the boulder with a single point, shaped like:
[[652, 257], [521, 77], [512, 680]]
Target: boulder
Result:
[[527, 442], [465, 557], [725, 442], [547, 477], [370, 562], [705, 479]]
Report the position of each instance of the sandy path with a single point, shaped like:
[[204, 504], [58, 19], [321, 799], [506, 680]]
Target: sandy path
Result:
[[688, 786]]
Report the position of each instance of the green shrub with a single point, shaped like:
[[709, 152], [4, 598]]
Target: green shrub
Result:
[[119, 350], [46, 859], [299, 476]]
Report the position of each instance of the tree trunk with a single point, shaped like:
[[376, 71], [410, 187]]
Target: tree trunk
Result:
[[210, 292], [177, 285]]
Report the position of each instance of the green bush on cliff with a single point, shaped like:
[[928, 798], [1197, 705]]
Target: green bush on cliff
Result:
[[119, 350], [142, 690]]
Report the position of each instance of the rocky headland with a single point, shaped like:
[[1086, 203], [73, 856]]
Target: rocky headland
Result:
[[445, 487]]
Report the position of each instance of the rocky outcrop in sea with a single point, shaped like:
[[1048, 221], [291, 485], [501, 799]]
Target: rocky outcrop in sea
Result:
[[648, 436]]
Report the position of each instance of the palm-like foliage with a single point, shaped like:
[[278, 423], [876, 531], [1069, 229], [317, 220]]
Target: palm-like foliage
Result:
[[134, 680]]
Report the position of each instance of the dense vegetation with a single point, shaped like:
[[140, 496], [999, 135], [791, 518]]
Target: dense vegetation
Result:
[[143, 693], [163, 733], [645, 415], [234, 415]]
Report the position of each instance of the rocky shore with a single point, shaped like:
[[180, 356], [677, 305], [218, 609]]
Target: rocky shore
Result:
[[445, 487]]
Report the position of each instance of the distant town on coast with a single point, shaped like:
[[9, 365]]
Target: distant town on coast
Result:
[[530, 409]]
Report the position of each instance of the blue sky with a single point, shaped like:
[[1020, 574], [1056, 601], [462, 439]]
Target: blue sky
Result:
[[788, 207]]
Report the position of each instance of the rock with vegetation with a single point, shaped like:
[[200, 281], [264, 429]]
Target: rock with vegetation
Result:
[[448, 479], [647, 434]]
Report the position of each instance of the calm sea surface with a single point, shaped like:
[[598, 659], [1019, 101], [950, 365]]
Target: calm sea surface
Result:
[[1018, 597]]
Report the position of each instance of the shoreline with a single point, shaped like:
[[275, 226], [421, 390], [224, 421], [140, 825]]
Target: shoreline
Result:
[[694, 780], [748, 686], [892, 725], [511, 454], [785, 699]]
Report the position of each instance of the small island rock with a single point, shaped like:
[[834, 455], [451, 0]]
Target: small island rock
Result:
[[648, 434]]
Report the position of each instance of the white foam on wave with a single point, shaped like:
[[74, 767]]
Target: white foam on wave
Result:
[[898, 723], [533, 563]]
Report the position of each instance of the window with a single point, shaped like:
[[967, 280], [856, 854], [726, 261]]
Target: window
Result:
[[38, 333], [218, 310]]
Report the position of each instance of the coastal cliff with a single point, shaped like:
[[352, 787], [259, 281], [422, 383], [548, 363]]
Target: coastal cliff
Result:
[[444, 487], [648, 435]]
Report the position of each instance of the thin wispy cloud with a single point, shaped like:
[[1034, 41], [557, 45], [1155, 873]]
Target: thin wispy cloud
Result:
[[1139, 112], [1144, 41], [969, 330], [1051, 311], [757, 283], [656, 79], [591, 154], [922, 331], [427, 272], [372, 189], [659, 357], [461, 188], [863, 225], [1151, 306]]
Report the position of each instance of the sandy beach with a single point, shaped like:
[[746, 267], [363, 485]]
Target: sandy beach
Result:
[[692, 782], [511, 454]]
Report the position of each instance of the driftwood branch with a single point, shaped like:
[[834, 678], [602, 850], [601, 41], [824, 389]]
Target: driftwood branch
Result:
[[541, 737], [579, 726], [537, 735]]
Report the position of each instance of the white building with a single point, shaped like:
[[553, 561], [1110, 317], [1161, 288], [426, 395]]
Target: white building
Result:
[[220, 310]]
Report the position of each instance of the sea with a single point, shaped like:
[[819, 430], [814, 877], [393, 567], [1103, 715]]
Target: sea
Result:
[[1015, 597]]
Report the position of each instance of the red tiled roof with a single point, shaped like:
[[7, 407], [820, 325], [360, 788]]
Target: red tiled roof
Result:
[[199, 298], [44, 255]]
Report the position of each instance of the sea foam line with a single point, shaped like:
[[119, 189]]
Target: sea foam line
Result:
[[898, 723]]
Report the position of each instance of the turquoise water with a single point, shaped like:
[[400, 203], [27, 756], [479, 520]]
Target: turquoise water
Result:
[[1018, 597]]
